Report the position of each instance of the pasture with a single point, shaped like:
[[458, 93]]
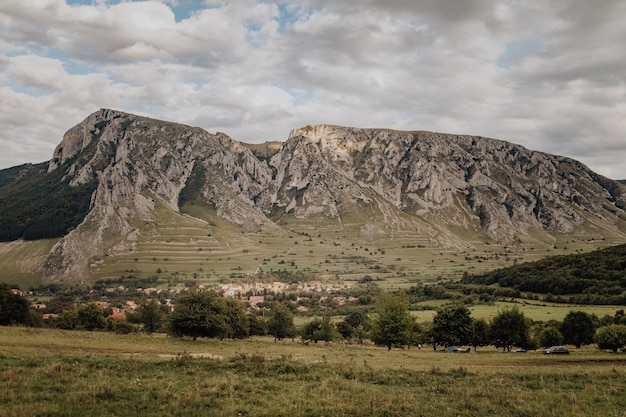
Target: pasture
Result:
[[45, 372]]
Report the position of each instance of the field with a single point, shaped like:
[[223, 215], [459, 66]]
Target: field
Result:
[[46, 372]]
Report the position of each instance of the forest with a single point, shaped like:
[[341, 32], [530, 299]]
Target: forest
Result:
[[597, 277], [36, 204]]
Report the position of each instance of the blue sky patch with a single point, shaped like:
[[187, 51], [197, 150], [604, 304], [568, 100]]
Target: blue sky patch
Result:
[[517, 51]]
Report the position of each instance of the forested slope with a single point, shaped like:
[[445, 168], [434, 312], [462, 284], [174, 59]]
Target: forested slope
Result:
[[597, 274]]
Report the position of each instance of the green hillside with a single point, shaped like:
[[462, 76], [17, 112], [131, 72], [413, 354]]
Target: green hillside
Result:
[[35, 204], [596, 277]]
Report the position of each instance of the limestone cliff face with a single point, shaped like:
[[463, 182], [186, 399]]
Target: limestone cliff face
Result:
[[140, 164], [489, 185], [386, 181]]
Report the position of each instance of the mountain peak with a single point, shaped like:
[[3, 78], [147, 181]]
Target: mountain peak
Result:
[[81, 135], [447, 190]]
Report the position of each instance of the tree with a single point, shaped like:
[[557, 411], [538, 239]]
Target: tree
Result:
[[236, 319], [258, 326], [451, 326], [611, 337], [67, 320], [392, 325], [119, 326], [480, 334], [345, 330], [199, 314], [509, 328], [355, 326], [280, 322], [310, 329], [550, 336], [320, 329], [13, 307], [150, 315], [578, 328], [415, 334], [356, 319], [90, 317]]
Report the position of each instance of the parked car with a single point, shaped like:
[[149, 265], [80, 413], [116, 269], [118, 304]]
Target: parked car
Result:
[[557, 350]]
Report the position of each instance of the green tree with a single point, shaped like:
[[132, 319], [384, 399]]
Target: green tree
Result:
[[67, 320], [480, 334], [356, 325], [393, 322], [199, 314], [415, 334], [578, 328], [345, 330], [550, 336], [119, 326], [280, 322], [258, 325], [90, 317], [509, 328], [13, 307], [310, 329], [150, 315], [320, 329], [237, 319], [451, 326], [611, 337], [356, 319]]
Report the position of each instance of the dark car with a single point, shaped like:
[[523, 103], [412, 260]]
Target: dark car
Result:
[[557, 350]]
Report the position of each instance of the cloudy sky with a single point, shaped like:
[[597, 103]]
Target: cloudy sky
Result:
[[547, 74]]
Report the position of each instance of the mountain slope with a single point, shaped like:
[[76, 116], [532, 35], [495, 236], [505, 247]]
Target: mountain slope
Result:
[[161, 188]]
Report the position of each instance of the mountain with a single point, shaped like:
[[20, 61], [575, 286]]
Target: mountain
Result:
[[120, 188]]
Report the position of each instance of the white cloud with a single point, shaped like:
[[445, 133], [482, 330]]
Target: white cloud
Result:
[[550, 76]]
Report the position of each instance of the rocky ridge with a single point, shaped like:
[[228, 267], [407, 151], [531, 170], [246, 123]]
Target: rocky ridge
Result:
[[385, 180]]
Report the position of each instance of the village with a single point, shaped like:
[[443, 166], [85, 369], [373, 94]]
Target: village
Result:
[[120, 301]]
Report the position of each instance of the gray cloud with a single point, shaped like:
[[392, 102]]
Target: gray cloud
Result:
[[547, 75]]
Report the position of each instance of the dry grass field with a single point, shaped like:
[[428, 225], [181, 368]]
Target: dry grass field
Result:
[[47, 372]]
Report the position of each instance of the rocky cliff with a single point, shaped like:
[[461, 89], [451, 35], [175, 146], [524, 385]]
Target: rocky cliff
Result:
[[379, 181], [140, 163], [499, 188]]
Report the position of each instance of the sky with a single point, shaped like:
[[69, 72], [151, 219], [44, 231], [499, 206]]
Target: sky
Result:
[[546, 74]]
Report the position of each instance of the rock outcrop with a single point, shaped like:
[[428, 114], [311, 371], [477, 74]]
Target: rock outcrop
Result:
[[434, 184], [477, 183], [140, 163]]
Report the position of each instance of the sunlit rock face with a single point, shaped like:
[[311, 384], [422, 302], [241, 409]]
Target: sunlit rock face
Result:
[[431, 183]]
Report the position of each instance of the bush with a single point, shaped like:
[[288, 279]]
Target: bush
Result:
[[550, 336], [119, 326], [13, 307], [611, 337]]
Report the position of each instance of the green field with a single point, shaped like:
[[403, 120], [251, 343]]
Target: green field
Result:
[[47, 372], [539, 312]]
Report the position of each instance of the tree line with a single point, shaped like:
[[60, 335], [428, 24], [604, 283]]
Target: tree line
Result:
[[206, 314]]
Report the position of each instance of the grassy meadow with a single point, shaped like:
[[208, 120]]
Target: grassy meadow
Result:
[[46, 372]]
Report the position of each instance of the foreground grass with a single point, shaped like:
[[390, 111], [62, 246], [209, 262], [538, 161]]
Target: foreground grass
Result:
[[56, 373]]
